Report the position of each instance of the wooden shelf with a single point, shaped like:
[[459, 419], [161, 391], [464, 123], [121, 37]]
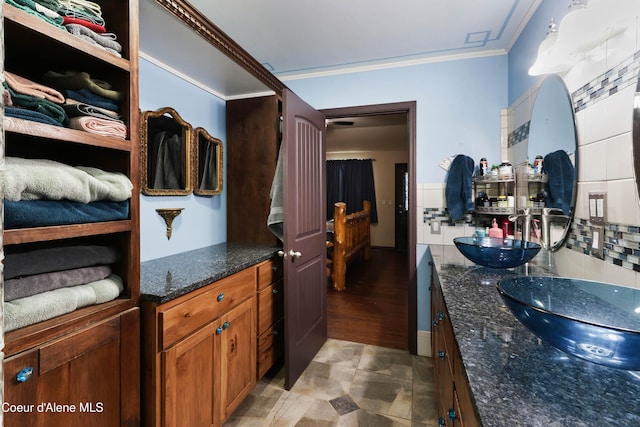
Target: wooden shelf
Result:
[[41, 234], [32, 23], [41, 130], [24, 338]]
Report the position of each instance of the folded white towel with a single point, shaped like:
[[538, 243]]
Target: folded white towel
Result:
[[34, 179]]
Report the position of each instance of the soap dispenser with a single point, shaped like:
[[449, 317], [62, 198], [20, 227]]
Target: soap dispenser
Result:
[[495, 231]]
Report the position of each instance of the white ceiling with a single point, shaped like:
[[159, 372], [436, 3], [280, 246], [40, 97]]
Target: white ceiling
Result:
[[299, 38]]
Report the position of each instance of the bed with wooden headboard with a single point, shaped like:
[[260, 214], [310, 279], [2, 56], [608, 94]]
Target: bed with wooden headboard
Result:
[[351, 240]]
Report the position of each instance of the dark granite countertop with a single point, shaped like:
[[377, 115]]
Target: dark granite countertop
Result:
[[167, 278], [517, 380]]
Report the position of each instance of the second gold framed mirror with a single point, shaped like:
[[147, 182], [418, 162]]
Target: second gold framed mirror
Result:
[[207, 164], [165, 158]]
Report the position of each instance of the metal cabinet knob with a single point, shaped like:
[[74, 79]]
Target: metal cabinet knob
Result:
[[220, 297]]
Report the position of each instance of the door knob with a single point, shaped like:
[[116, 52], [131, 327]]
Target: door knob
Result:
[[294, 254]]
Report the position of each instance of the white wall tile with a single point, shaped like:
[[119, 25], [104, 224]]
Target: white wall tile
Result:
[[620, 276], [449, 233], [621, 202], [594, 268], [433, 197], [593, 162], [619, 162]]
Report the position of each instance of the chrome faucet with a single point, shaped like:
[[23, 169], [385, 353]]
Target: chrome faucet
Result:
[[549, 216], [525, 219]]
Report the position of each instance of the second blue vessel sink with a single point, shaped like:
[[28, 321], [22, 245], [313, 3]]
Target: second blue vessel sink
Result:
[[595, 321]]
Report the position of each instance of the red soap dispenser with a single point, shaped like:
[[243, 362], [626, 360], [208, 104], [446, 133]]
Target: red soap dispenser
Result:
[[506, 228]]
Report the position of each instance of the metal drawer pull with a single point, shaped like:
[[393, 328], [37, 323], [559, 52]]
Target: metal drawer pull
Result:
[[24, 374], [218, 330], [225, 325], [276, 292], [441, 355], [275, 333], [220, 297]]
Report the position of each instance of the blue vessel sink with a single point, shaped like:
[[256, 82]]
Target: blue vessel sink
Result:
[[595, 321], [496, 253]]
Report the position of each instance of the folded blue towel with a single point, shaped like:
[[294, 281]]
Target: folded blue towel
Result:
[[560, 170], [459, 189], [40, 213]]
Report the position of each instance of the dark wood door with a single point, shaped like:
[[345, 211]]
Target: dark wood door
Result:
[[402, 207], [304, 235]]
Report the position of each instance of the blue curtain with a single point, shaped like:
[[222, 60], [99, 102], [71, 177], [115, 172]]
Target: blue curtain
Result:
[[351, 181]]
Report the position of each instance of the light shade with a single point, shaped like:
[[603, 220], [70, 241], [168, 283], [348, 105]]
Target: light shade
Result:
[[582, 33]]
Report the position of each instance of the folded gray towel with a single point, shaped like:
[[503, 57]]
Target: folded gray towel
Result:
[[38, 283], [34, 179], [47, 305], [104, 41]]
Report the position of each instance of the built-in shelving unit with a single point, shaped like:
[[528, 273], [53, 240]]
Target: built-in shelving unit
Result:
[[93, 335]]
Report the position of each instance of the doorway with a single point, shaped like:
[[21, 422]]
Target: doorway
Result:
[[401, 205], [343, 117]]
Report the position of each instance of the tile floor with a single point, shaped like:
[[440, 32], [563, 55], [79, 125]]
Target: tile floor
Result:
[[347, 384]]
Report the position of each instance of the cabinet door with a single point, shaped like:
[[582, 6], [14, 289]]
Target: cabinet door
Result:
[[270, 306], [189, 380], [77, 380], [238, 356]]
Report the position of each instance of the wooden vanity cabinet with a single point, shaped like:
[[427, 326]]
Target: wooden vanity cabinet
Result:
[[455, 408], [200, 353], [270, 344], [57, 382]]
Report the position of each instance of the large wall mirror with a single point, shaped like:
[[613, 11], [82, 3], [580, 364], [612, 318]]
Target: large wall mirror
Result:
[[636, 135], [165, 143], [553, 135], [207, 164]]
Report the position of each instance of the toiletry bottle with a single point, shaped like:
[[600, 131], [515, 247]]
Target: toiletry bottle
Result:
[[506, 228], [536, 232], [505, 170], [484, 166], [537, 165], [495, 231], [511, 200]]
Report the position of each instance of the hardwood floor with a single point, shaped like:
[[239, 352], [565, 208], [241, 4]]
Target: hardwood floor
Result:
[[373, 308]]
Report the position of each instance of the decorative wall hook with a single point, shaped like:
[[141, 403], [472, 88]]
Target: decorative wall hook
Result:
[[169, 214]]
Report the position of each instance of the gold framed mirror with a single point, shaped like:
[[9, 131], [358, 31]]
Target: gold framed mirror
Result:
[[206, 172], [165, 158]]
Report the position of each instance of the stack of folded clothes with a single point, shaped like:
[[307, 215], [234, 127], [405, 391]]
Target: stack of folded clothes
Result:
[[91, 104], [81, 18], [72, 99], [44, 283], [25, 99], [40, 192]]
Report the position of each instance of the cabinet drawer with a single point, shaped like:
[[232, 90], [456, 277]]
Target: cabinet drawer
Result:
[[181, 319], [270, 305], [270, 347], [269, 272]]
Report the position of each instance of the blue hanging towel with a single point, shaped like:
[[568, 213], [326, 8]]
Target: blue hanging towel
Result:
[[560, 170], [459, 189]]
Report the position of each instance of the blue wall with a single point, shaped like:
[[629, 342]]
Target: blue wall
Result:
[[204, 219], [458, 104], [524, 51]]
